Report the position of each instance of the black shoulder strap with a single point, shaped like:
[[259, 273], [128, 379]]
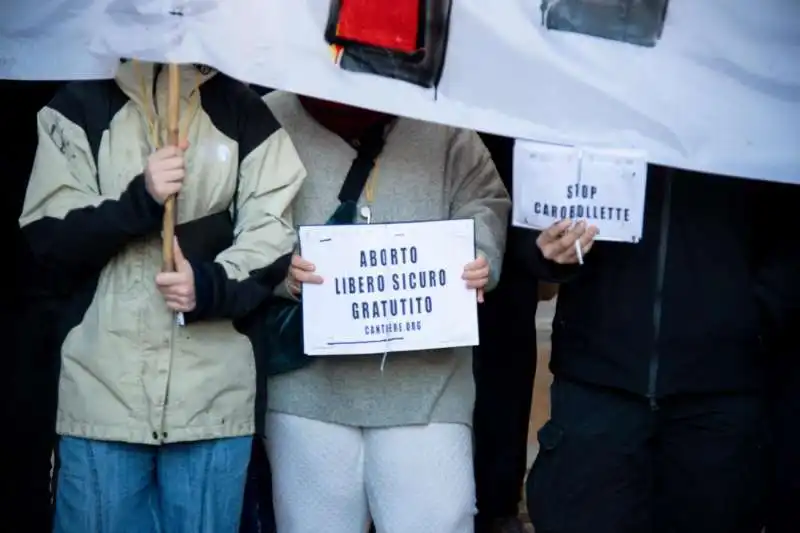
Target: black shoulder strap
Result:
[[368, 147]]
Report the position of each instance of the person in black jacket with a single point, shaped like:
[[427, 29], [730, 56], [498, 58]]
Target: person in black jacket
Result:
[[504, 365], [658, 421]]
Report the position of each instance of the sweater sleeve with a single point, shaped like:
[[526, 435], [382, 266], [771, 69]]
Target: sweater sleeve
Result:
[[477, 192], [271, 174], [70, 226]]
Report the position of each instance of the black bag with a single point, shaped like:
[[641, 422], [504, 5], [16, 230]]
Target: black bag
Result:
[[276, 328], [637, 22]]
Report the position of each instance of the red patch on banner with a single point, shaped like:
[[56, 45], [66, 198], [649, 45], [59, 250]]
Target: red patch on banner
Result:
[[391, 24]]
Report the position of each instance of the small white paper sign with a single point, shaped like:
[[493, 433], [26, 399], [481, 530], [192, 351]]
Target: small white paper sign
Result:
[[389, 287], [603, 187]]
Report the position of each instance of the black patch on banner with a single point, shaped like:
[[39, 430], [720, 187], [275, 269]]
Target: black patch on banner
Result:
[[422, 67], [638, 22]]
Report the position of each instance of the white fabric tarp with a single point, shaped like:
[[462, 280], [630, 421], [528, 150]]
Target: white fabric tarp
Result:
[[720, 92]]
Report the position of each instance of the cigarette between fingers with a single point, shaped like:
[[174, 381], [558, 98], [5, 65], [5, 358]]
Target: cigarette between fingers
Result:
[[578, 251]]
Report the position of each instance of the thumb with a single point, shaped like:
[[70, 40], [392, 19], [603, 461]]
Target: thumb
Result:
[[181, 264]]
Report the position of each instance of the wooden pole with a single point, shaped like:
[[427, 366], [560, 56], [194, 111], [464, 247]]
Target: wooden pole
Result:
[[173, 116]]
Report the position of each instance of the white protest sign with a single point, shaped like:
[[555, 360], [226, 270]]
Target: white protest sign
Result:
[[603, 187], [389, 287]]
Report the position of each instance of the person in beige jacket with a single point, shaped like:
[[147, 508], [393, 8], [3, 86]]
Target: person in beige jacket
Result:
[[156, 420]]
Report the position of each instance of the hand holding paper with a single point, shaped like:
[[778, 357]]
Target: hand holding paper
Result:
[[476, 274], [562, 242], [300, 272]]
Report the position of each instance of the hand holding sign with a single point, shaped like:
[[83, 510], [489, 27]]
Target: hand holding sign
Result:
[[300, 272], [476, 274], [557, 242], [177, 287]]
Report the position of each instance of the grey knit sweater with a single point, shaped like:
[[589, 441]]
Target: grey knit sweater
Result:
[[425, 172]]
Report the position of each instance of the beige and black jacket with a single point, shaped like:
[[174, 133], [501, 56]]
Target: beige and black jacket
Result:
[[128, 372]]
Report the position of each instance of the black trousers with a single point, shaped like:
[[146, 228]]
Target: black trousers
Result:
[[258, 514], [608, 463], [504, 369]]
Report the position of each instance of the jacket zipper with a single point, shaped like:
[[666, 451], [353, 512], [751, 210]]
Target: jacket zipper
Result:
[[660, 271], [163, 430]]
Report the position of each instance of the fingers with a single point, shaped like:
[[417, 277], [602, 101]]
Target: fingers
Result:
[[471, 275], [165, 173], [293, 286], [556, 230], [296, 279], [172, 163], [587, 239], [182, 264], [167, 152], [302, 271], [177, 292], [170, 190], [181, 305], [478, 283], [176, 246], [302, 276], [172, 176], [557, 243], [174, 283], [554, 246], [301, 264], [177, 289], [167, 159], [479, 263], [569, 256], [476, 274]]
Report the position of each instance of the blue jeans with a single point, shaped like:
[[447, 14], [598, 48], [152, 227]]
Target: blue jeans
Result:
[[114, 487]]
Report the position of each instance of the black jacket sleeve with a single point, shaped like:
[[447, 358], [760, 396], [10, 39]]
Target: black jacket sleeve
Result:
[[88, 237], [529, 255], [219, 297]]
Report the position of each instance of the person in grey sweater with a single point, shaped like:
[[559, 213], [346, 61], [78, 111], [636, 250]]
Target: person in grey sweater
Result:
[[348, 440]]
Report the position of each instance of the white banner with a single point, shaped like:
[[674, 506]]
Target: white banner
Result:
[[717, 93], [389, 287], [52, 39], [604, 188]]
